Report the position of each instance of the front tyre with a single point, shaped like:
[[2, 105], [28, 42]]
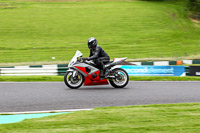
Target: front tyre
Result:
[[73, 82], [121, 78]]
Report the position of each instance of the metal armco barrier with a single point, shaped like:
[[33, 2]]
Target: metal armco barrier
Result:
[[57, 70], [27, 71], [34, 70], [167, 63], [62, 70]]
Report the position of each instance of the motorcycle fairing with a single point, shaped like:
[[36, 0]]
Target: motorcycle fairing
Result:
[[74, 59], [89, 79], [86, 66]]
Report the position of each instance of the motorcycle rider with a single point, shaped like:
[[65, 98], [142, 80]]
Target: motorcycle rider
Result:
[[98, 55]]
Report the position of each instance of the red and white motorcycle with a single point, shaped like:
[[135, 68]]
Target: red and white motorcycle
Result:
[[81, 71]]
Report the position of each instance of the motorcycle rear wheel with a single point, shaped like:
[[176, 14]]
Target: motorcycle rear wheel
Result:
[[71, 83], [121, 78]]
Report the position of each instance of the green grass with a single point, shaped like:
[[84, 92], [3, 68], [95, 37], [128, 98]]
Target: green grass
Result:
[[31, 78], [61, 78], [37, 31], [168, 118]]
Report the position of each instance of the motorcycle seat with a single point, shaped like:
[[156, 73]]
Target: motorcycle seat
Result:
[[109, 62]]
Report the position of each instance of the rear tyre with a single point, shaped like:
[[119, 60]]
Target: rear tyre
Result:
[[73, 83], [121, 78]]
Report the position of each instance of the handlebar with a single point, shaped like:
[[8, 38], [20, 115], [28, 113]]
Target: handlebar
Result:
[[83, 60], [80, 60]]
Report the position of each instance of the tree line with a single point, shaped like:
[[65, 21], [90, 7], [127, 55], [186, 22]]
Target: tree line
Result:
[[193, 6]]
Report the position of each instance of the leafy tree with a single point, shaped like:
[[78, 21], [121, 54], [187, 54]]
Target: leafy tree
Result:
[[193, 6]]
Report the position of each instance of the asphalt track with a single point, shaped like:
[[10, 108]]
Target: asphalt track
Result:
[[42, 96]]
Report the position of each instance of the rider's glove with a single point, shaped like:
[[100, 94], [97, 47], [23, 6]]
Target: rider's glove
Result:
[[85, 59]]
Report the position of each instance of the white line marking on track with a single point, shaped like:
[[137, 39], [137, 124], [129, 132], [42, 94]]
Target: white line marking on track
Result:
[[47, 111]]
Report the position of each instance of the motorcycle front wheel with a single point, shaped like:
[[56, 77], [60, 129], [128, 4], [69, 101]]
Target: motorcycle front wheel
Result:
[[73, 82], [121, 78]]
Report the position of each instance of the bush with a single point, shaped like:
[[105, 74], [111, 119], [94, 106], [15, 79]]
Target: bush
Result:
[[193, 6]]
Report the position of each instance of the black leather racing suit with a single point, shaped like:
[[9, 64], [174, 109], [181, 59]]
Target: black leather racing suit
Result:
[[99, 56]]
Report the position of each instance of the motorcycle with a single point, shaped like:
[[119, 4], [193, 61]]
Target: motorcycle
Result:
[[82, 71]]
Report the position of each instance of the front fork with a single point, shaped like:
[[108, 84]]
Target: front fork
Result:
[[74, 73]]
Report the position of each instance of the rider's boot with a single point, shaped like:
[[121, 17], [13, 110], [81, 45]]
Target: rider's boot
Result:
[[106, 72], [101, 74]]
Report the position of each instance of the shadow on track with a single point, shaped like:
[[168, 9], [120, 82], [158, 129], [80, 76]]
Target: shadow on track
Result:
[[97, 88]]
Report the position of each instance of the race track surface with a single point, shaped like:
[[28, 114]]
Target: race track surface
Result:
[[42, 96]]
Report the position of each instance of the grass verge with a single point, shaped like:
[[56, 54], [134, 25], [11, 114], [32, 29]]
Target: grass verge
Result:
[[61, 78], [167, 118], [41, 30]]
